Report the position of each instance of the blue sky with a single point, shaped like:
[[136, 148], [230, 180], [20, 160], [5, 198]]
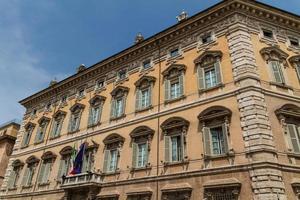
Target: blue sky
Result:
[[44, 39]]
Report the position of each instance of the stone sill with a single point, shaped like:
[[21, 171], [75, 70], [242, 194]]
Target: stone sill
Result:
[[26, 186], [136, 169], [281, 85], [98, 90], [144, 71], [44, 184], [202, 46], [39, 142], [117, 118], [220, 85], [53, 138], [25, 146], [12, 188], [176, 99], [94, 125], [183, 162], [293, 154], [117, 172], [143, 109], [72, 132], [120, 81], [215, 157]]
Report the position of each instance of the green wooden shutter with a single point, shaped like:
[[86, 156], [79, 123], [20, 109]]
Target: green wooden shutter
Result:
[[201, 83], [146, 153], [79, 120], [225, 136], [206, 140], [181, 84], [106, 160], [167, 89], [123, 104], [150, 94], [46, 172], [84, 163], [218, 72], [61, 169], [41, 174], [113, 108], [137, 99], [134, 154], [167, 148], [25, 176], [90, 118], [54, 127], [70, 122], [293, 137], [36, 139], [61, 121], [12, 179], [277, 73], [182, 138]]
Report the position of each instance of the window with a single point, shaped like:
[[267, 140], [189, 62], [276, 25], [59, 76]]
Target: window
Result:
[[76, 111], [33, 113], [146, 64], [27, 135], [206, 38], [15, 174], [89, 157], [48, 107], [58, 120], [295, 62], [144, 92], [122, 74], [81, 93], [175, 130], [118, 102], [63, 99], [294, 137], [96, 104], [294, 42], [28, 174], [222, 193], [65, 162], [209, 70], [215, 125], [173, 80], [268, 34], [43, 124], [100, 84], [113, 143], [275, 59], [174, 53], [46, 167]]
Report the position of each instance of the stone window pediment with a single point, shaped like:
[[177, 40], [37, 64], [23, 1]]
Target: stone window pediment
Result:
[[288, 110], [66, 151], [142, 131], [48, 155], [174, 70], [113, 138], [18, 163], [91, 145], [43, 120], [97, 100], [119, 91], [274, 53], [174, 123], [213, 113], [29, 126], [145, 81], [78, 107], [32, 160], [208, 58], [294, 59], [174, 191], [59, 114]]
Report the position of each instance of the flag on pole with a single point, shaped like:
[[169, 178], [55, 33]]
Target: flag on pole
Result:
[[77, 163]]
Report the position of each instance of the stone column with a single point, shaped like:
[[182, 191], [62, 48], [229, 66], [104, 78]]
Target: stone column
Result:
[[267, 183]]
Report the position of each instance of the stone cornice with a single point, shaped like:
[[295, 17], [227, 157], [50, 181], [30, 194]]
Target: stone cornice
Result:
[[165, 38]]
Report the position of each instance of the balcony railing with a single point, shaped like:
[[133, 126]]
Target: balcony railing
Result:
[[80, 180]]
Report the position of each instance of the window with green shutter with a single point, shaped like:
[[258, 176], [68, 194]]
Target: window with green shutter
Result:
[[75, 118], [144, 92], [40, 134], [15, 174], [57, 124], [174, 81], [118, 104], [27, 134], [277, 71], [96, 104], [294, 137], [215, 123]]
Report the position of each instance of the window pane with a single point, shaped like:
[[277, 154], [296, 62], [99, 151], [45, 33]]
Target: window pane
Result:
[[119, 105], [176, 148], [217, 141], [210, 78], [174, 52], [142, 155], [175, 90], [145, 98], [113, 160]]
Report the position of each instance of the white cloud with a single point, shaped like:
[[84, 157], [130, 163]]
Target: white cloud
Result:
[[20, 73]]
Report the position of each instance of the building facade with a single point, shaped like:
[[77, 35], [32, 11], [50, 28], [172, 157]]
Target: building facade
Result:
[[206, 109], [8, 136]]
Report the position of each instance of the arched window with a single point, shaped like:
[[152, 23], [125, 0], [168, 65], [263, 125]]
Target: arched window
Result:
[[65, 162], [174, 130], [295, 61], [215, 130], [27, 134], [118, 102], [289, 116], [48, 159], [17, 166], [76, 111], [96, 105], [275, 58], [113, 144], [58, 120], [41, 131], [144, 92], [141, 137], [174, 82], [209, 70], [31, 164]]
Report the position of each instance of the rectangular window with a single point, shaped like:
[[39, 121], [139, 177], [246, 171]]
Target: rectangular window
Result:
[[64, 167], [210, 77], [268, 34], [56, 128], [95, 115], [175, 90], [142, 155], [100, 84], [176, 148], [64, 99], [113, 160], [81, 93], [119, 107], [26, 137], [74, 123], [14, 177], [145, 101], [174, 52], [146, 64], [217, 140], [44, 172], [277, 71], [87, 161], [294, 42], [28, 176], [122, 74], [206, 38]]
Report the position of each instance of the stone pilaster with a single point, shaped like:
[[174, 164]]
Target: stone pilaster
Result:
[[267, 183]]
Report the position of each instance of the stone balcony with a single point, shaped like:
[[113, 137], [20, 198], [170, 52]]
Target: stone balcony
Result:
[[81, 180]]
